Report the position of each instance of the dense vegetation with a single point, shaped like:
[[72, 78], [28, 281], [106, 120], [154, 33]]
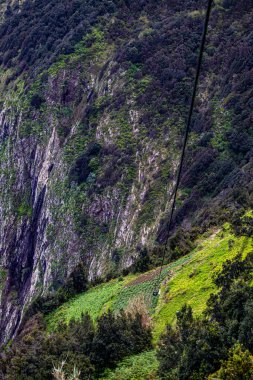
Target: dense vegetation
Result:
[[80, 344], [186, 280], [217, 343], [195, 347], [51, 51], [36, 32], [156, 46]]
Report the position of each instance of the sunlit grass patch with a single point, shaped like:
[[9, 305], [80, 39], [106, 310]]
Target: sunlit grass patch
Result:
[[92, 302], [138, 367], [192, 283]]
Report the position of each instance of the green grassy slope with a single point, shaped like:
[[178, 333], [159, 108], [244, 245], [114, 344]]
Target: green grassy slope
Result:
[[115, 294], [187, 280], [137, 367], [93, 302], [191, 282]]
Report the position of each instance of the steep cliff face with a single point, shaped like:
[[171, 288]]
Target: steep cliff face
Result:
[[74, 177], [91, 130], [61, 205]]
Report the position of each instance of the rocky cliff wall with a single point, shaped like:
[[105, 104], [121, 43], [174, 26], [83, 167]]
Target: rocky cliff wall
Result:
[[90, 137]]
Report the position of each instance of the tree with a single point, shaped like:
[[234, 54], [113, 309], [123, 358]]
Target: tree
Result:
[[117, 337], [28, 359], [169, 352], [238, 366], [192, 350], [78, 280]]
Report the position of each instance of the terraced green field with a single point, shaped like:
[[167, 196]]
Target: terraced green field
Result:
[[187, 280], [115, 295], [93, 302]]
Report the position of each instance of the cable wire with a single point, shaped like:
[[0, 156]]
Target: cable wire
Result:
[[188, 125]]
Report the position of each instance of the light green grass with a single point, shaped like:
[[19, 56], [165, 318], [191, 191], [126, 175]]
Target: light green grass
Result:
[[191, 283], [138, 367], [93, 302]]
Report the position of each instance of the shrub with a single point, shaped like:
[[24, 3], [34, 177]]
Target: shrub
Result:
[[138, 306], [239, 365], [117, 337], [37, 101], [35, 354], [194, 347]]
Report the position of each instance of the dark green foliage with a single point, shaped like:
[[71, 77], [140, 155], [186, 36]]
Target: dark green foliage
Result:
[[25, 360], [242, 225], [195, 348], [36, 32], [192, 350], [34, 352], [143, 262], [82, 167], [232, 307], [182, 242], [169, 353], [170, 72], [214, 161], [234, 269], [118, 337], [239, 365], [73, 344], [76, 283], [115, 161], [203, 350], [37, 101]]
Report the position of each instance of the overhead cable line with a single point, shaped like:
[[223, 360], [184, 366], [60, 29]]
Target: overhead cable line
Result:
[[188, 125]]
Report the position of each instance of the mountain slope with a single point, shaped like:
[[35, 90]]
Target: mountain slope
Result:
[[218, 270], [187, 280], [94, 97]]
